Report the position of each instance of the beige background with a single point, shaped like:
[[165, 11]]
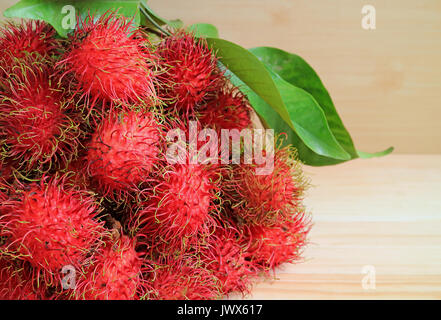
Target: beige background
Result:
[[386, 83]]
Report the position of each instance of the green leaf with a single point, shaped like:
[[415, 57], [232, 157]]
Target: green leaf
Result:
[[307, 116], [295, 70], [273, 120], [249, 69], [366, 155], [176, 23], [203, 30], [299, 73], [52, 11], [294, 106]]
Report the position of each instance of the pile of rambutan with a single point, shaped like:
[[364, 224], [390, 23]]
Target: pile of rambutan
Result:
[[91, 207]]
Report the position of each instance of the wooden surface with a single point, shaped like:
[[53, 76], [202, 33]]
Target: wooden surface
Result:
[[384, 213]]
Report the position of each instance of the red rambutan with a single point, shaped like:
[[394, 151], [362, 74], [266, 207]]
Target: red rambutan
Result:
[[36, 118], [229, 109], [270, 246], [115, 273], [226, 256], [268, 198], [50, 226], [183, 279], [123, 151], [18, 40], [6, 173], [179, 206], [3, 190], [191, 74], [16, 282], [110, 60], [76, 176]]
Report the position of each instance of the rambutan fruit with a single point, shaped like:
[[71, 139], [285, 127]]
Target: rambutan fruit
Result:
[[27, 37], [229, 109], [3, 190], [37, 120], [76, 176], [183, 278], [267, 198], [6, 173], [114, 274], [3, 194], [3, 197], [50, 225], [110, 60], [226, 256], [16, 281], [179, 206], [123, 151], [191, 75], [270, 246]]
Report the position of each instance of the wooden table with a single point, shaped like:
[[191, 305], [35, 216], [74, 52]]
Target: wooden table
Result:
[[381, 213]]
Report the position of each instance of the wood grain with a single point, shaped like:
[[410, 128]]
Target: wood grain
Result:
[[385, 213]]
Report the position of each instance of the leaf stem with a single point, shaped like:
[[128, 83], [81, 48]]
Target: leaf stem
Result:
[[152, 21]]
